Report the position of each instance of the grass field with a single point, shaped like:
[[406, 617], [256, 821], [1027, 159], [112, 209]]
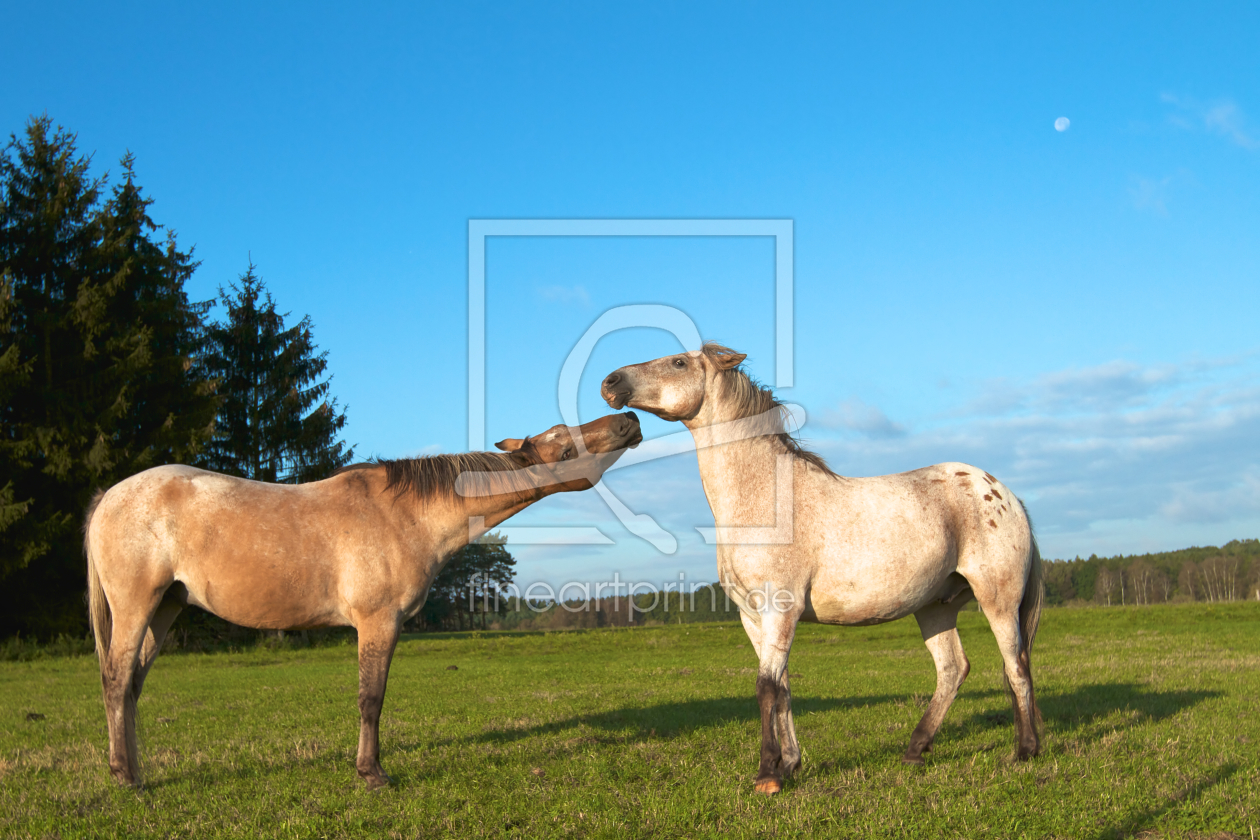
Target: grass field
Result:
[[1152, 727]]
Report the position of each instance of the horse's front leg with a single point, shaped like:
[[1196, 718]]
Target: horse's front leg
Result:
[[785, 730], [777, 630], [377, 639]]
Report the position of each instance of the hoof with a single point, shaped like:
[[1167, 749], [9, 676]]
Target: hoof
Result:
[[916, 760], [125, 779], [1024, 753], [376, 780], [769, 786]]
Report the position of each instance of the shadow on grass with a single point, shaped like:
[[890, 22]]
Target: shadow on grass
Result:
[[670, 720], [1073, 712], [1089, 704]]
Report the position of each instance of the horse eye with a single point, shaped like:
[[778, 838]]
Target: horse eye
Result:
[[566, 454], [680, 363]]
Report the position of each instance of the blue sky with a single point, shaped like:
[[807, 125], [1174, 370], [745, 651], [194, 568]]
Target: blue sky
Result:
[[1074, 311]]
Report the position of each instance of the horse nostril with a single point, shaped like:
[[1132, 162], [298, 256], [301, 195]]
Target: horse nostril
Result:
[[613, 379]]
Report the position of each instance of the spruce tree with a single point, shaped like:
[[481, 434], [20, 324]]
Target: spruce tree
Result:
[[277, 422], [47, 232], [14, 375], [143, 335], [97, 380]]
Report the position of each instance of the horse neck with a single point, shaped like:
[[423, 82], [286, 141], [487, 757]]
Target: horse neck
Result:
[[466, 519], [738, 458]]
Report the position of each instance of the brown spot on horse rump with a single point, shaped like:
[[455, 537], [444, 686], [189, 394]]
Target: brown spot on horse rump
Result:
[[1000, 513], [996, 493], [962, 473], [992, 523], [990, 479], [938, 481], [987, 497]]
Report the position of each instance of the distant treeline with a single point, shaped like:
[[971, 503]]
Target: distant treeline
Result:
[[1228, 573]]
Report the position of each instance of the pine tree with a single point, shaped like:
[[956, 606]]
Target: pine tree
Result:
[[47, 231], [14, 376], [276, 422], [97, 381], [144, 335]]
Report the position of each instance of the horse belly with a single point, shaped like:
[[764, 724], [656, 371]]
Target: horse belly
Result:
[[875, 593], [266, 599]]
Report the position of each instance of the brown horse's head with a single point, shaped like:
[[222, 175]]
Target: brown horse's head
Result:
[[671, 387], [575, 457]]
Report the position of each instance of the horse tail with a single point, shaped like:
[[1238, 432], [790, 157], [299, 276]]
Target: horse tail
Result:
[[98, 607], [1030, 611]]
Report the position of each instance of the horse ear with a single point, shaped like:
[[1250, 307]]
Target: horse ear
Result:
[[726, 361], [510, 445]]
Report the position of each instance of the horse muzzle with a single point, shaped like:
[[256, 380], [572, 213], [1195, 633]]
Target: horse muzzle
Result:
[[616, 390], [632, 434]]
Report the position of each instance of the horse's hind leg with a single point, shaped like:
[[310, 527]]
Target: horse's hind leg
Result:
[[118, 673], [1005, 626], [377, 639], [154, 636], [939, 625]]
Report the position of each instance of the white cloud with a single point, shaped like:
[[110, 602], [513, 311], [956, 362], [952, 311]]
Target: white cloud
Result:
[[1150, 193], [1109, 385], [1117, 454], [857, 416], [1195, 504], [1222, 117]]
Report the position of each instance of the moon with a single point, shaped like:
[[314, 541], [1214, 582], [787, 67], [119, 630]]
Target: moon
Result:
[[1062, 123]]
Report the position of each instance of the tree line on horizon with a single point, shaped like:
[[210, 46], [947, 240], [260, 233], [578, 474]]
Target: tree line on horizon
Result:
[[1228, 573], [1204, 574], [107, 368]]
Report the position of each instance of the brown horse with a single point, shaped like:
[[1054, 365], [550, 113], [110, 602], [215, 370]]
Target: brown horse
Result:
[[796, 542], [359, 549]]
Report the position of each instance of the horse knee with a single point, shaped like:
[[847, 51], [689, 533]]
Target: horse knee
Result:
[[370, 705]]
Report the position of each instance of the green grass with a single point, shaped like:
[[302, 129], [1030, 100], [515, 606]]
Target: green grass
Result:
[[1152, 728]]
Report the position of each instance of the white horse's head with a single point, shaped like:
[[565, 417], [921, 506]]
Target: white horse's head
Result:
[[671, 387]]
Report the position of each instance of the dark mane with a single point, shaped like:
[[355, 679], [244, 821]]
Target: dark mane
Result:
[[750, 398], [435, 475]]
